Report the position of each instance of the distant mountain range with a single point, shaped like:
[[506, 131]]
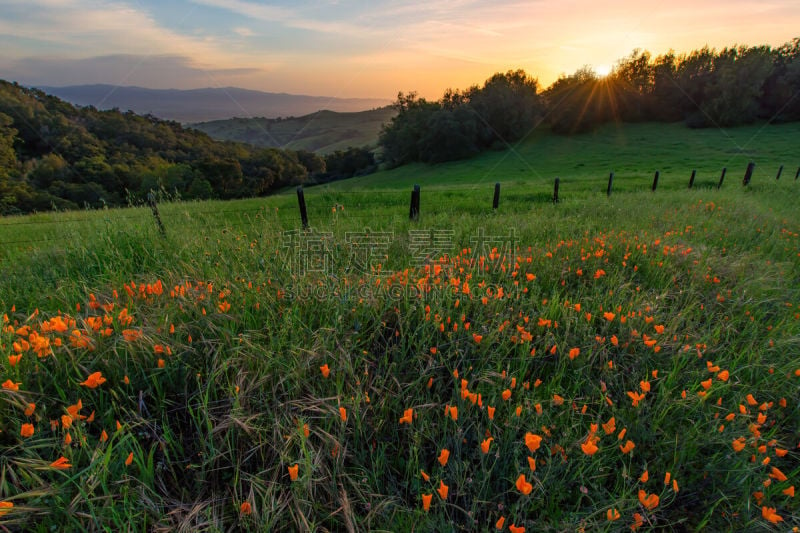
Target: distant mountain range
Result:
[[198, 105]]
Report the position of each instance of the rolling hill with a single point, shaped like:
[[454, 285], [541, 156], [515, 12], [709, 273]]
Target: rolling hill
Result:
[[322, 132], [197, 105]]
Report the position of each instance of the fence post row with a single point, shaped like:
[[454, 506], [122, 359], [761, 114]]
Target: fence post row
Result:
[[555, 191], [151, 199], [779, 173], [413, 212], [691, 179], [301, 200], [610, 183], [722, 177], [655, 181], [496, 199], [798, 173], [748, 173]]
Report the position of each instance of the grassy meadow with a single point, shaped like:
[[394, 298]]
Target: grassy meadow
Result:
[[323, 132], [606, 363]]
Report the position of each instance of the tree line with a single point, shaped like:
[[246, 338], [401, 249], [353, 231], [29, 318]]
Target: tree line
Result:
[[703, 88], [54, 155]]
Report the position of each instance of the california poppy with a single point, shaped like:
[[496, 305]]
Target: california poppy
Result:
[[485, 443], [629, 445], [589, 447], [408, 416], [649, 501], [94, 380], [523, 486], [62, 463], [10, 385], [129, 460], [444, 455], [5, 507], [771, 515], [612, 515], [426, 501], [326, 371], [245, 508], [293, 470], [532, 441], [513, 528], [442, 490]]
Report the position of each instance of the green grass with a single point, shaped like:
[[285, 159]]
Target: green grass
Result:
[[221, 422], [322, 132]]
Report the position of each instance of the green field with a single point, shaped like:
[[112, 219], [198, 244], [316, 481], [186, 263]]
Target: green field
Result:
[[634, 355], [323, 132]]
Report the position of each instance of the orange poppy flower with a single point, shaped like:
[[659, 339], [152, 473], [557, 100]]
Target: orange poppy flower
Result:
[[293, 471], [443, 490], [26, 430], [343, 414], [245, 508], [62, 463], [325, 369], [589, 447], [5, 507], [129, 460], [610, 426], [557, 400], [477, 338], [30, 409], [485, 443], [629, 445], [789, 492], [609, 316], [425, 476], [506, 394], [513, 528], [532, 464], [574, 352], [771, 515], [649, 501], [10, 385], [500, 523], [532, 441], [644, 477], [426, 502], [612, 515], [408, 416], [444, 455], [777, 474], [523, 486], [94, 380]]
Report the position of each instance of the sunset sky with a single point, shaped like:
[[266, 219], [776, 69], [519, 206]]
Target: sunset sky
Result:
[[358, 48]]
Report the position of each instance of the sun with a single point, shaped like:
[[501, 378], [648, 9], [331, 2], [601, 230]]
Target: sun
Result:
[[602, 70]]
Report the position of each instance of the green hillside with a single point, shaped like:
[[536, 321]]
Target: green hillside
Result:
[[601, 364], [322, 132]]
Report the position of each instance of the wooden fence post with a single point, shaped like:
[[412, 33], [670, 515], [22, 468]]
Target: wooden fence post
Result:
[[722, 177], [151, 199], [555, 191], [301, 200], [655, 181], [691, 180], [413, 212], [780, 170], [798, 173], [496, 199], [748, 173], [610, 183]]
